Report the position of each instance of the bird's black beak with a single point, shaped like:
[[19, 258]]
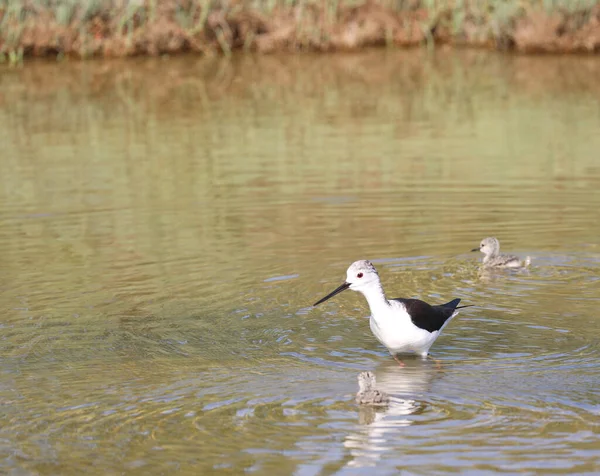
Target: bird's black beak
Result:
[[338, 290], [475, 249]]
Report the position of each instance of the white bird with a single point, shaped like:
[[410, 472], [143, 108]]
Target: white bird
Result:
[[490, 247], [404, 326]]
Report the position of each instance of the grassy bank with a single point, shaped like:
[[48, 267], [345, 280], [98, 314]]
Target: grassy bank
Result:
[[117, 28]]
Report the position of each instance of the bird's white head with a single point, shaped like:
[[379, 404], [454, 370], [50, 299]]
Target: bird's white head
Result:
[[489, 246], [361, 276]]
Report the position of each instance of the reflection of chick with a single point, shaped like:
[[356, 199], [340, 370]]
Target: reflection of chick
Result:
[[367, 393]]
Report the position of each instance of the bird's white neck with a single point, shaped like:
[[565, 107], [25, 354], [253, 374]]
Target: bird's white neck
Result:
[[375, 297], [489, 256]]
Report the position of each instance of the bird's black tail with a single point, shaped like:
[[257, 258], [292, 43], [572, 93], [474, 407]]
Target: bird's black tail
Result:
[[454, 304]]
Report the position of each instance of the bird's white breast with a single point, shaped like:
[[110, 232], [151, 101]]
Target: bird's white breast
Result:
[[395, 330]]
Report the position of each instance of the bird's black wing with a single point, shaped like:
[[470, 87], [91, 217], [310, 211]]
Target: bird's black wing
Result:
[[427, 317]]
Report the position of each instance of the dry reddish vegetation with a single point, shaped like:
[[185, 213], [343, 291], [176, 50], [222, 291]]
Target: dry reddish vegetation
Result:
[[150, 27]]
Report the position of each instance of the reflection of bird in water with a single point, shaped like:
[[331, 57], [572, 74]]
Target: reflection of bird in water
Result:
[[368, 394], [410, 381], [492, 258], [379, 425]]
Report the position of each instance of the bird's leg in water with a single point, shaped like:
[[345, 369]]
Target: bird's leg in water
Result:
[[400, 363], [437, 362]]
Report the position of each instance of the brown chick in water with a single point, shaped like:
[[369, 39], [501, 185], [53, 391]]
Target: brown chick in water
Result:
[[368, 394]]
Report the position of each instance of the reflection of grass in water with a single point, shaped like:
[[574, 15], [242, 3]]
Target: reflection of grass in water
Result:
[[286, 118], [412, 90], [125, 28]]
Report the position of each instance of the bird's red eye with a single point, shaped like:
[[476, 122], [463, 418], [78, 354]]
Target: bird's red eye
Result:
[[359, 275]]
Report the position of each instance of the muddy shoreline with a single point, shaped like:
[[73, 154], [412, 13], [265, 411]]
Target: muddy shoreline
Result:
[[120, 28]]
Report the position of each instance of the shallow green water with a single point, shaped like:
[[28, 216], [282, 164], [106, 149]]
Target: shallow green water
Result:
[[166, 224]]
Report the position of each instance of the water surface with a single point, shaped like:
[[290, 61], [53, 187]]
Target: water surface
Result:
[[165, 225]]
